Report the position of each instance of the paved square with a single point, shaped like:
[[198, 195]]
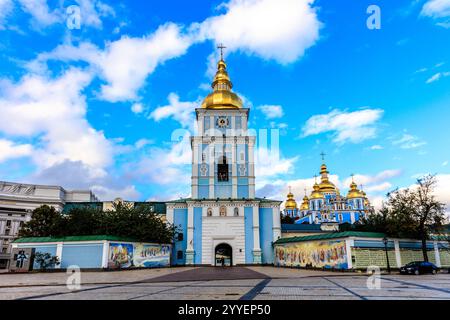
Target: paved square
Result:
[[237, 283]]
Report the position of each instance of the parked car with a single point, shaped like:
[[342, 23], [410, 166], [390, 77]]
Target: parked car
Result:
[[419, 267]]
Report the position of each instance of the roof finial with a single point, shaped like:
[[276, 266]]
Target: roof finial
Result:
[[221, 47], [353, 177], [315, 178], [323, 154]]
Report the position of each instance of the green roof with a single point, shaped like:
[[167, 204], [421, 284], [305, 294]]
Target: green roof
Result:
[[333, 235], [73, 238]]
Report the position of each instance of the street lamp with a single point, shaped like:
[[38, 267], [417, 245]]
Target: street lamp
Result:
[[385, 241]]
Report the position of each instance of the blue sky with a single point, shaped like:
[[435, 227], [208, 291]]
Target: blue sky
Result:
[[102, 106]]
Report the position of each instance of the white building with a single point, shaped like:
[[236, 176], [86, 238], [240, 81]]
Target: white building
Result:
[[223, 221], [17, 201]]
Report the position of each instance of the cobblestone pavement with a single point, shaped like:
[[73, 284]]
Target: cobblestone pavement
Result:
[[245, 283]]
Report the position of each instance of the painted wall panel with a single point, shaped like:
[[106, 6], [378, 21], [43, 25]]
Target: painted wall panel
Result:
[[317, 254]]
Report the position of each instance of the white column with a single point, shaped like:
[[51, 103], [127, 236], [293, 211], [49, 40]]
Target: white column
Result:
[[169, 214], [349, 243], [251, 169], [190, 236], [436, 254], [352, 217], [105, 254], [234, 161], [59, 251], [190, 228], [200, 124], [211, 170], [398, 256], [256, 240], [196, 157], [276, 224]]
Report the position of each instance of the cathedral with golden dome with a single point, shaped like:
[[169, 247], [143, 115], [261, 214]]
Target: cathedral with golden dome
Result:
[[325, 204]]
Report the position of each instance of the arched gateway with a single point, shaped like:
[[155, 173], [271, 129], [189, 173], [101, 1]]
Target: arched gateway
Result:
[[224, 255]]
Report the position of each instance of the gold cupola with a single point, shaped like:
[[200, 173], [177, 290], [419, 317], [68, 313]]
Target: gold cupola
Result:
[[354, 192], [222, 97], [326, 185], [291, 204], [316, 194], [305, 204]]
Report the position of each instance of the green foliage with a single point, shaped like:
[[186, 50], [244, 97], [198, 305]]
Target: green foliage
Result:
[[408, 213], [46, 260], [45, 222], [287, 219], [138, 223]]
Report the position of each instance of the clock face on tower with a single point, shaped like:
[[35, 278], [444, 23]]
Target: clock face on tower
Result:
[[222, 122]]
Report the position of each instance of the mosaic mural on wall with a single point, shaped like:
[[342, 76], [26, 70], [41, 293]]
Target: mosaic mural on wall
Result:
[[151, 255], [319, 254], [127, 255], [120, 255]]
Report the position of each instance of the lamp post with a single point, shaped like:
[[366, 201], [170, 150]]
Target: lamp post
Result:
[[385, 241]]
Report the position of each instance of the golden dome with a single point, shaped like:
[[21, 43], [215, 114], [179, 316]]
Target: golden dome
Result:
[[290, 202], [305, 204], [325, 184], [222, 97], [354, 192], [317, 194]]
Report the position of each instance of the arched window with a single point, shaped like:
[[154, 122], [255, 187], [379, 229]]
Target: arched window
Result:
[[236, 212], [223, 211], [209, 212]]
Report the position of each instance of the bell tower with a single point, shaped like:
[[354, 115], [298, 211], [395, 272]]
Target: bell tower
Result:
[[223, 152]]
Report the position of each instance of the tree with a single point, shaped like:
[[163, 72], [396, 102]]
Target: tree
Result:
[[44, 222], [135, 222], [408, 213], [285, 219], [46, 260]]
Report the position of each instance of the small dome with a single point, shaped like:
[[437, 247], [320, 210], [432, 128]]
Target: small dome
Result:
[[290, 202], [354, 192], [222, 97]]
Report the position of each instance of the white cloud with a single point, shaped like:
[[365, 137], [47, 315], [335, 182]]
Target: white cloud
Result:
[[6, 7], [271, 29], [408, 141], [437, 76], [10, 150], [345, 126], [141, 143], [436, 8], [41, 13], [166, 166], [53, 110], [137, 108], [269, 163], [271, 111], [182, 112], [91, 12], [124, 64], [439, 10], [376, 147], [445, 163]]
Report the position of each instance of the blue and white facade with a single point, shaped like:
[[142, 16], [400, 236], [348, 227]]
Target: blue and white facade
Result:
[[223, 209], [326, 204]]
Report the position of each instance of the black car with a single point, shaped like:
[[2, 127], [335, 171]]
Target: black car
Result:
[[419, 267]]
